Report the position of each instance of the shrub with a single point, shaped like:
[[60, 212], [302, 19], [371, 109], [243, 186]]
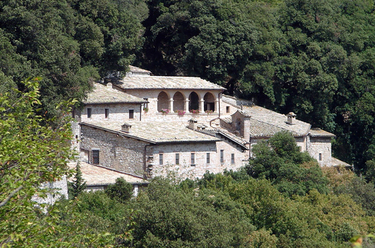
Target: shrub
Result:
[[120, 191]]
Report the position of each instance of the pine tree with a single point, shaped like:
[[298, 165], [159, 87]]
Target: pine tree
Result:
[[78, 185]]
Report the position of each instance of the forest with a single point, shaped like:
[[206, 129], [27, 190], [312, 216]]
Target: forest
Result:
[[313, 57]]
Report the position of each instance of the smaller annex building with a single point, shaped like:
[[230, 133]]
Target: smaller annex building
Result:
[[145, 126]]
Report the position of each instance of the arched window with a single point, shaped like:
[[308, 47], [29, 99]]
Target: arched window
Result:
[[163, 101], [194, 101], [209, 102], [178, 102]]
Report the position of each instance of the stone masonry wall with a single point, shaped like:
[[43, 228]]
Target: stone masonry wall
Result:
[[321, 146], [227, 109], [301, 142], [116, 152]]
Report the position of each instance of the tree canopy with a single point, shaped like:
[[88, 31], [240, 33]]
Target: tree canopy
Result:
[[68, 43]]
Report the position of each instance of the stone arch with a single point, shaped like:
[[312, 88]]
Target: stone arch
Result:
[[163, 101], [209, 102], [193, 101], [178, 101]]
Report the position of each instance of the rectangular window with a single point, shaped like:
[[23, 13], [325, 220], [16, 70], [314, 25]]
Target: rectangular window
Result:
[[160, 158], [320, 157], [88, 112], [221, 156], [95, 156], [208, 158], [228, 109], [106, 113], [177, 158], [232, 158], [192, 159], [131, 113]]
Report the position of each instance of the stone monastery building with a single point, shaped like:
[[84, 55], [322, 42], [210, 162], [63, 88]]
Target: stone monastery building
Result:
[[145, 126]]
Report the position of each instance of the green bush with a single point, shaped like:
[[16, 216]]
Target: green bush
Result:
[[120, 191]]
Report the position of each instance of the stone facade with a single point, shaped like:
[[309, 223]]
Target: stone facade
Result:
[[193, 160], [319, 146], [180, 126], [113, 150]]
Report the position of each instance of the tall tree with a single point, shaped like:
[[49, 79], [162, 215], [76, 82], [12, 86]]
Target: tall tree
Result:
[[291, 171], [78, 185], [30, 154]]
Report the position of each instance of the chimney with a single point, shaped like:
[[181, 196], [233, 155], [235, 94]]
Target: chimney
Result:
[[193, 124], [246, 127], [126, 128], [290, 118]]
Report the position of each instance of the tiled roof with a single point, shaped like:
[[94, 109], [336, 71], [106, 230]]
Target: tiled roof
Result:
[[235, 101], [138, 70], [165, 82], [225, 133], [233, 137], [158, 132], [317, 132], [227, 119], [337, 162], [106, 94], [97, 175], [263, 129], [265, 123]]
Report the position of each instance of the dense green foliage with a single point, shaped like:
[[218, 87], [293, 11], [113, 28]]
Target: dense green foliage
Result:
[[78, 185], [120, 191], [68, 43], [32, 154], [291, 171], [219, 211]]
